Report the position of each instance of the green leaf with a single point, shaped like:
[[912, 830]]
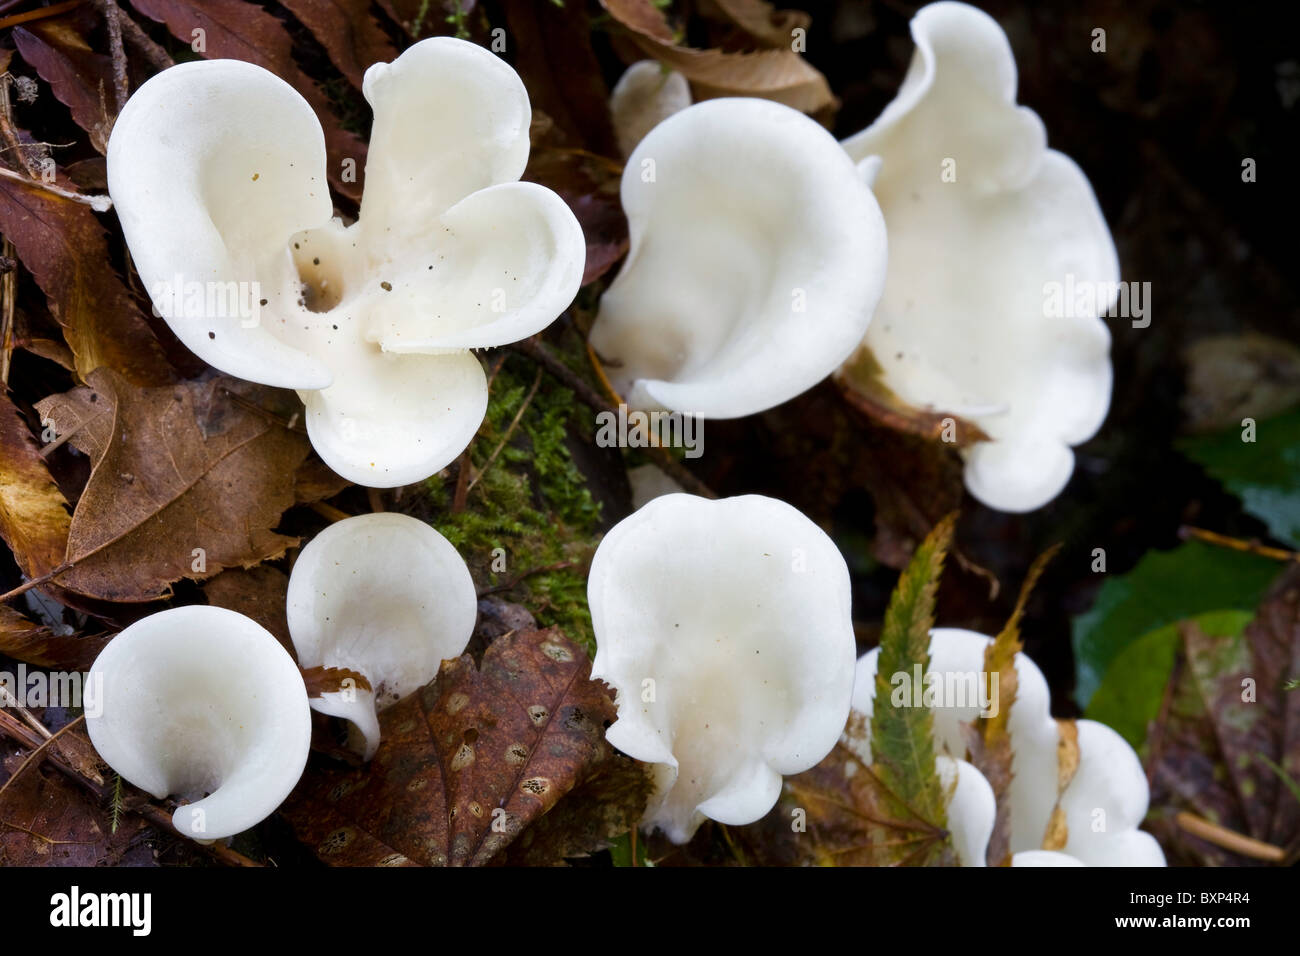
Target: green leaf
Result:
[[1261, 473], [1164, 587], [903, 737], [1129, 697]]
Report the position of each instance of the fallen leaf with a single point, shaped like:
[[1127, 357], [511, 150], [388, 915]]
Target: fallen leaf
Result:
[[553, 56], [259, 593], [34, 519], [1228, 748], [861, 384], [185, 483], [902, 738], [589, 185], [1165, 587], [466, 763], [46, 820], [350, 35], [65, 248], [82, 80], [25, 640], [762, 21], [780, 74]]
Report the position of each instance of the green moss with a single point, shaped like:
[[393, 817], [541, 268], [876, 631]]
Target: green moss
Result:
[[532, 502]]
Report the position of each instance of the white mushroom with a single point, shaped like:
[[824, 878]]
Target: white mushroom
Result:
[[644, 96], [383, 595], [1104, 802], [218, 172], [756, 258], [985, 224], [205, 704], [724, 628]]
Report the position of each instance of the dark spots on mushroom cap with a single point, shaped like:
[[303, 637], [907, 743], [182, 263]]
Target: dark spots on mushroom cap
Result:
[[212, 335], [386, 286]]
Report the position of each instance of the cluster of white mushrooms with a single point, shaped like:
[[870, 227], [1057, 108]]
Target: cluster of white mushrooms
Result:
[[757, 268]]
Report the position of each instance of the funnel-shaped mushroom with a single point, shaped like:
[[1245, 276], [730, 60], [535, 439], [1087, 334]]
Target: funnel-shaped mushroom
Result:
[[984, 223], [383, 595], [1103, 803], [218, 172], [724, 628], [756, 258], [205, 704]]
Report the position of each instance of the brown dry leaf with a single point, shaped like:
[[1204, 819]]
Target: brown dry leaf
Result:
[[34, 519], [316, 481], [1230, 738], [176, 469], [64, 247], [780, 74], [589, 184], [82, 80], [350, 35], [236, 30], [1057, 833], [554, 57], [988, 740], [46, 820], [466, 763], [860, 383], [762, 21], [258, 593], [25, 640]]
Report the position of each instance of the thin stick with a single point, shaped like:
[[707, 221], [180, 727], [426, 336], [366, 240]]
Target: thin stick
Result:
[[155, 815], [329, 511], [37, 751], [1237, 544], [99, 203], [40, 14], [1229, 839], [113, 17], [510, 430], [135, 36]]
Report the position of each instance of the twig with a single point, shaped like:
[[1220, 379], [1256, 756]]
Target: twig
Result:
[[152, 813], [535, 350], [461, 494], [41, 14], [523, 575], [1237, 544], [510, 430], [543, 356], [134, 35], [37, 751], [113, 17], [99, 203], [1221, 836], [329, 511]]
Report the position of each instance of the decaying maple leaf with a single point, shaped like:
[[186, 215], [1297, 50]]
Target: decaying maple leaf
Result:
[[469, 761], [185, 482], [1228, 748]]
